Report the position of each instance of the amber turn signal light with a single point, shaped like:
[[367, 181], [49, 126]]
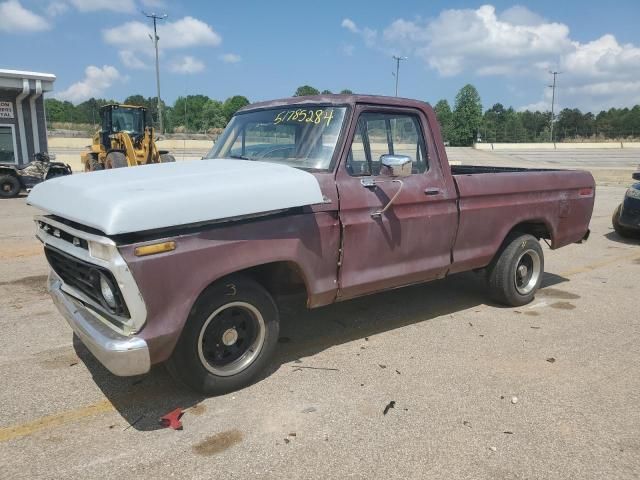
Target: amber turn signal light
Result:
[[154, 248]]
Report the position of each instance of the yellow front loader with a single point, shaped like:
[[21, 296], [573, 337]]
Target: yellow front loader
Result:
[[125, 139]]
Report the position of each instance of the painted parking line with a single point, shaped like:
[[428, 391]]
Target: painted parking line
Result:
[[55, 420]]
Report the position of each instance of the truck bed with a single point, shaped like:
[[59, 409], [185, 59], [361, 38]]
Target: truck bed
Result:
[[555, 204]]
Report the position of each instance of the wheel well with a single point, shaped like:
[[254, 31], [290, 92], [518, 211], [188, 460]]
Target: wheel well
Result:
[[8, 171], [279, 278], [537, 229]]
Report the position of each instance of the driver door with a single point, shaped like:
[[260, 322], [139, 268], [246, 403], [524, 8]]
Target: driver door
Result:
[[411, 241]]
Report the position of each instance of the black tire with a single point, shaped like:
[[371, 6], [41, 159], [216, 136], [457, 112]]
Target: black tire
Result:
[[167, 158], [516, 272], [115, 160], [9, 186], [93, 164], [620, 230], [202, 363]]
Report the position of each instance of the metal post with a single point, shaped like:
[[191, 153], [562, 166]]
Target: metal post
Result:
[[155, 39], [553, 101], [398, 59]]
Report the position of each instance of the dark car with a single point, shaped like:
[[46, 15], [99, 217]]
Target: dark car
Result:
[[15, 178], [626, 218]]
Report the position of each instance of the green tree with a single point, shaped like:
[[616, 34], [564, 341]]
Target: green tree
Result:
[[186, 113], [326, 92], [346, 91], [445, 118], [467, 116], [213, 115], [232, 104], [306, 90]]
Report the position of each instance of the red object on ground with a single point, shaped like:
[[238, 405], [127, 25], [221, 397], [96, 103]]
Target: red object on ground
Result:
[[172, 419]]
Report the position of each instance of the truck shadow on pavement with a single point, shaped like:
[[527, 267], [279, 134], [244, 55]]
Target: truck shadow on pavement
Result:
[[142, 400]]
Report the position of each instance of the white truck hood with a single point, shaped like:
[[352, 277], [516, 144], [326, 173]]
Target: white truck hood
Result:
[[126, 200]]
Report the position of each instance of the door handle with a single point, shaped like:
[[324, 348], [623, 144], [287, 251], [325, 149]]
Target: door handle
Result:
[[432, 191]]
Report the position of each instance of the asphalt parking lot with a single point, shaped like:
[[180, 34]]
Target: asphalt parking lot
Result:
[[549, 390]]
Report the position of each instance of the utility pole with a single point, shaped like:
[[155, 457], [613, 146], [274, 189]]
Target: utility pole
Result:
[[397, 59], [155, 43], [553, 101]]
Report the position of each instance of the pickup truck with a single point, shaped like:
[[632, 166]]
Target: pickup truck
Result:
[[332, 196]]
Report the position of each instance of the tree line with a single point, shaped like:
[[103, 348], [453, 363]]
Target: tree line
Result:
[[462, 125], [466, 123]]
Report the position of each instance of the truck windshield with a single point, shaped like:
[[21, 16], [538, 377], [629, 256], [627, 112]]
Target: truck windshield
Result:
[[299, 137]]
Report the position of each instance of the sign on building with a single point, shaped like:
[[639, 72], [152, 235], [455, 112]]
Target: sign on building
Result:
[[6, 109]]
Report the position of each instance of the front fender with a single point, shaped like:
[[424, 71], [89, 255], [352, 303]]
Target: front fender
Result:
[[171, 282]]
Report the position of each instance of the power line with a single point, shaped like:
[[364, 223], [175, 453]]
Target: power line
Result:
[[155, 39], [397, 74], [553, 101]]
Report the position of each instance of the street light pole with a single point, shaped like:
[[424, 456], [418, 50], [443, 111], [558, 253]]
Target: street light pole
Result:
[[155, 39], [553, 101], [398, 59]]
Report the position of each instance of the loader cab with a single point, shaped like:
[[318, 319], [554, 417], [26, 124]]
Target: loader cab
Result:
[[122, 118]]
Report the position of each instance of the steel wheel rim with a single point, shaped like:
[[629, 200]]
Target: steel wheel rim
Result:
[[527, 271], [229, 345], [6, 187]]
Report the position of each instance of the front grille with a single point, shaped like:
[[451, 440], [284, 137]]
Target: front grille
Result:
[[85, 277], [63, 235]]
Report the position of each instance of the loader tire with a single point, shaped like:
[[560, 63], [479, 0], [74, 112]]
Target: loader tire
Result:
[[116, 160], [93, 164], [167, 158]]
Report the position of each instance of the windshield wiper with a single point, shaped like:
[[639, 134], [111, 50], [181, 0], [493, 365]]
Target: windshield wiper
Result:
[[240, 157]]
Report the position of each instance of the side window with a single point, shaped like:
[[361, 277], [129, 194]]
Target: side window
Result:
[[382, 134]]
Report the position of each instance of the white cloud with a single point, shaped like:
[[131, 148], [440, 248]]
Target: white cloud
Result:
[[154, 3], [127, 6], [186, 65], [95, 82], [184, 33], [517, 43], [350, 25], [131, 60], [231, 58], [56, 8], [368, 35], [14, 18]]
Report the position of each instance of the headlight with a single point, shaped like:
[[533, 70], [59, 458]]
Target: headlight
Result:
[[107, 292], [633, 193]]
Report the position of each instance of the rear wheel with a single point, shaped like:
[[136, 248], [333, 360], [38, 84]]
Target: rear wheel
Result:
[[93, 164], [228, 339], [620, 230], [516, 273], [115, 160], [9, 186], [167, 158]]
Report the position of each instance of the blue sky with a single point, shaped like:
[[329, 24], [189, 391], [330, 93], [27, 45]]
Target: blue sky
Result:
[[266, 49]]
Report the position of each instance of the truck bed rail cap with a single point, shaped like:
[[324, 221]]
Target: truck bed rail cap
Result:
[[149, 197]]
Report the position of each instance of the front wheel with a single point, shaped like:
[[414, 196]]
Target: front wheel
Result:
[[229, 337], [9, 186], [116, 160], [516, 273]]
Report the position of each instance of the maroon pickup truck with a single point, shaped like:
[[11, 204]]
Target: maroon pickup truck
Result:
[[336, 196]]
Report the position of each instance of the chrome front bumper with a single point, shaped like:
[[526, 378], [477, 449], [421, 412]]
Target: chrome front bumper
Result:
[[122, 355]]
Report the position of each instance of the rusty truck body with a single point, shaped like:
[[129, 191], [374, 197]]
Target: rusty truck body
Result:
[[336, 196]]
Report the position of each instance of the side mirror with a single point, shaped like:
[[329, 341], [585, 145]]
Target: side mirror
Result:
[[395, 165], [636, 175]]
